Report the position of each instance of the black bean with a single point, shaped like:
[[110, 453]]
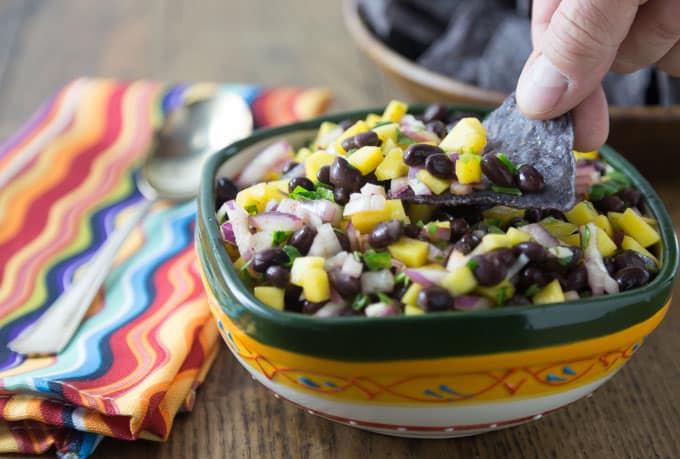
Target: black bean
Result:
[[492, 266], [534, 251], [225, 190], [302, 239], [269, 257], [309, 307], [631, 277], [411, 230], [439, 165], [303, 182], [552, 264], [633, 258], [343, 175], [344, 241], [346, 285], [324, 175], [345, 124], [459, 227], [532, 275], [278, 276], [533, 215], [517, 222], [385, 233], [292, 298], [438, 128], [435, 112], [576, 254], [553, 213], [631, 197], [290, 165], [576, 279], [416, 153], [610, 204], [518, 300], [496, 171], [467, 243], [367, 139], [341, 195], [505, 255], [610, 265], [434, 298], [529, 179]]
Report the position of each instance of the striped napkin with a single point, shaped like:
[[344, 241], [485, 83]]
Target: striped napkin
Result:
[[147, 341]]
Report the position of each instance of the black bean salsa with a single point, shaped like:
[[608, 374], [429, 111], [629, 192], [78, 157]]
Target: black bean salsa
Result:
[[322, 231]]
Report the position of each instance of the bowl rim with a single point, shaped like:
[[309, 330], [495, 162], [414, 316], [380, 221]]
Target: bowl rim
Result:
[[553, 324]]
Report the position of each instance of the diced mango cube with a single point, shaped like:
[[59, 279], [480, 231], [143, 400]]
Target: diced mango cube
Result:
[[615, 219], [372, 119], [516, 236], [605, 245], [603, 222], [582, 213], [366, 221], [316, 161], [499, 293], [586, 155], [467, 136], [301, 266], [392, 166], [411, 294], [558, 228], [258, 195], [491, 242], [551, 293], [411, 310], [395, 111], [366, 159], [469, 168], [387, 132], [238, 263], [504, 214], [435, 184], [316, 286], [460, 281], [635, 226], [419, 212], [302, 154], [357, 128], [271, 296], [325, 128], [572, 239], [629, 243], [411, 252]]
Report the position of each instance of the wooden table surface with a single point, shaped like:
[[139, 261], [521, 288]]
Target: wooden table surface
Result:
[[45, 44]]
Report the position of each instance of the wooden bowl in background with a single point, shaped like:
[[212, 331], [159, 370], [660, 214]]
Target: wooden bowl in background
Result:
[[647, 135]]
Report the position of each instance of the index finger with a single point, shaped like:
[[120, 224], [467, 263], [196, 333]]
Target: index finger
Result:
[[541, 14]]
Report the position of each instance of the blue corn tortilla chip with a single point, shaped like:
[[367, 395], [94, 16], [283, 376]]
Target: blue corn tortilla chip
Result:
[[546, 145]]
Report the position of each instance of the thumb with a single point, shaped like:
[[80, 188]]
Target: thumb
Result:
[[573, 55]]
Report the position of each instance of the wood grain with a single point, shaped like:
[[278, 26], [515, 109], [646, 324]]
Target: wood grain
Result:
[[636, 415]]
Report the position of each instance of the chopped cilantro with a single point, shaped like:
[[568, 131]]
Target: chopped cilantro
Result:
[[403, 139], [292, 253], [564, 261], [533, 290], [304, 194], [420, 224], [357, 256], [493, 222], [504, 159], [495, 230], [402, 277], [385, 298], [612, 183], [252, 209], [585, 240], [246, 264], [502, 296], [506, 190], [381, 123], [351, 151], [360, 302], [279, 237], [432, 227], [472, 264], [377, 260]]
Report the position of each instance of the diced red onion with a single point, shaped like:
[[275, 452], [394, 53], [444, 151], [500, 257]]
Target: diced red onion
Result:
[[221, 212], [370, 189], [456, 260], [586, 176], [440, 234], [352, 267], [336, 261], [228, 232], [460, 189], [517, 266], [425, 276], [239, 224], [362, 203], [436, 255], [297, 171], [329, 138], [380, 310], [377, 281], [330, 309], [409, 121], [454, 157], [271, 205], [353, 236], [262, 240], [471, 303], [398, 265], [271, 159], [598, 277], [540, 235], [571, 295], [326, 211], [398, 186], [421, 136], [325, 242], [413, 171], [419, 188], [276, 221]]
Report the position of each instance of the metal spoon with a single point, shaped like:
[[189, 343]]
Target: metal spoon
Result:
[[171, 171]]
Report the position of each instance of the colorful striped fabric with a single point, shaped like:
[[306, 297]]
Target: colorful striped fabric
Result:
[[66, 181]]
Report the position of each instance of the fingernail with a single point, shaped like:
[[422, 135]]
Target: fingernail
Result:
[[541, 87]]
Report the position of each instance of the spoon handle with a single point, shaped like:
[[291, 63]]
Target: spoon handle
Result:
[[56, 326]]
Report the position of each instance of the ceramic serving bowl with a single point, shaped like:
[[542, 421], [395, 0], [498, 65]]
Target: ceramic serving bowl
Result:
[[436, 375]]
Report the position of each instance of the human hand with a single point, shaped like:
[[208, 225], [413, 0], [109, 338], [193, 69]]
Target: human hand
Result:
[[576, 42]]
